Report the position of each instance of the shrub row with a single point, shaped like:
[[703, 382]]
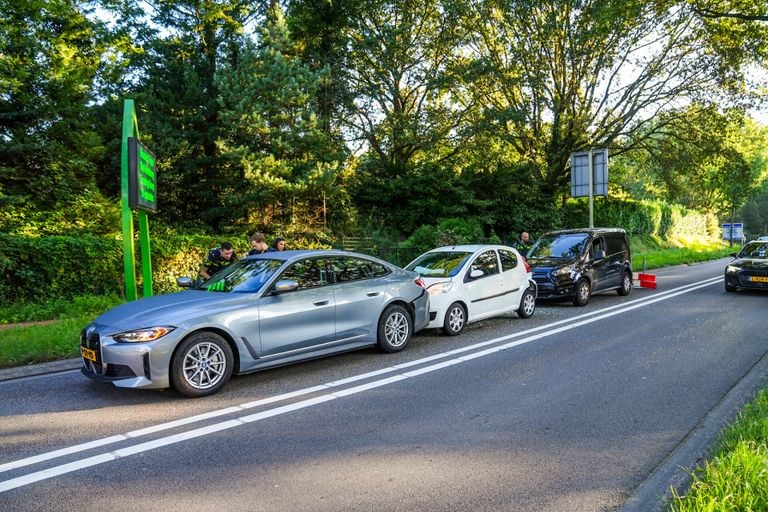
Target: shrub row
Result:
[[36, 269], [642, 217]]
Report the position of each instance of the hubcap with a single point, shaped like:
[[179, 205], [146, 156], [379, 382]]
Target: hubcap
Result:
[[529, 303], [456, 319], [204, 365], [396, 329]]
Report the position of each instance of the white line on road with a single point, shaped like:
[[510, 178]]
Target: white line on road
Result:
[[526, 337]]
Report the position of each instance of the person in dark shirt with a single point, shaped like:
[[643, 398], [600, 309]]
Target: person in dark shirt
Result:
[[218, 259], [278, 245], [258, 245], [523, 243]]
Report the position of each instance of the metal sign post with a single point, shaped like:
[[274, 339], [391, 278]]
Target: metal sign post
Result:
[[589, 177], [136, 162]]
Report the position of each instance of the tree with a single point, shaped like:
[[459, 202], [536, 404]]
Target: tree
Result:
[[700, 158], [50, 55], [571, 75], [176, 95], [284, 166]]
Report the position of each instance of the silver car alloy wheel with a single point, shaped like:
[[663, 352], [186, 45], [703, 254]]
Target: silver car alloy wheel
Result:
[[396, 329], [529, 304], [456, 318], [204, 365]]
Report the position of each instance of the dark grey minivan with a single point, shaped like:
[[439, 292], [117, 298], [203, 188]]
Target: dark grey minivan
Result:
[[574, 263]]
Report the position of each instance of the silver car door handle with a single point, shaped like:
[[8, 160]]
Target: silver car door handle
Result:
[[320, 303], [373, 294]]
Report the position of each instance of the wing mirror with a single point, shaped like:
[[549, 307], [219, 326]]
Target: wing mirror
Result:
[[185, 282], [285, 286]]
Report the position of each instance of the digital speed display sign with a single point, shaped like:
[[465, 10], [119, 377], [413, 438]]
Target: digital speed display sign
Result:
[[142, 176]]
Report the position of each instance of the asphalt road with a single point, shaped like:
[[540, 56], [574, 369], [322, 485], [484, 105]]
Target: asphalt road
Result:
[[575, 409]]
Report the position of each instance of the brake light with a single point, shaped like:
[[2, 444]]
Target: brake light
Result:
[[419, 281], [527, 266]]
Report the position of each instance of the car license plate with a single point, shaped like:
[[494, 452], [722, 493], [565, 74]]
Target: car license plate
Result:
[[88, 354], [758, 279]]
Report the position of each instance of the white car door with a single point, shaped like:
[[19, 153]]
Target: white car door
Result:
[[515, 279], [484, 285]]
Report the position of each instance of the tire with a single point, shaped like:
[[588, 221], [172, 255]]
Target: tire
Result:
[[395, 329], [729, 287], [202, 364], [455, 319], [583, 291], [626, 285], [527, 304]]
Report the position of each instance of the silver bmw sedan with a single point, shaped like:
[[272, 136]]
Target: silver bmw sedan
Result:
[[263, 311]]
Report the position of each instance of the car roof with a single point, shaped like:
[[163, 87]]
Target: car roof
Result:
[[299, 253], [593, 231], [469, 247]]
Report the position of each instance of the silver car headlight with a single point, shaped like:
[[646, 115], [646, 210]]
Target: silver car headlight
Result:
[[438, 288], [143, 335]]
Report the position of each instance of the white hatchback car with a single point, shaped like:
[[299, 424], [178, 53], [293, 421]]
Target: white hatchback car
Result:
[[467, 283]]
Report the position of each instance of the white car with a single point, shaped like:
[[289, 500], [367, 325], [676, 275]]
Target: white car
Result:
[[467, 283]]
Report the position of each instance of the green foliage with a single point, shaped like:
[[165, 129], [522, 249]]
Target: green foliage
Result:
[[642, 217], [50, 53], [285, 166], [57, 309], [38, 269], [736, 477], [452, 231], [39, 343]]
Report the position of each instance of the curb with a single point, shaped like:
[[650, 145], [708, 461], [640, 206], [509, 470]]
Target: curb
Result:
[[40, 369], [654, 493]]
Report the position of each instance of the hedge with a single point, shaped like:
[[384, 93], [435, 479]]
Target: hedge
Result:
[[36, 269]]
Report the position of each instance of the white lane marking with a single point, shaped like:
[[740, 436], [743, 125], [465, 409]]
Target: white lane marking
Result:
[[587, 318]]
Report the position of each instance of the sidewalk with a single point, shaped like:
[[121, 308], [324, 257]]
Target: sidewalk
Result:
[[40, 369]]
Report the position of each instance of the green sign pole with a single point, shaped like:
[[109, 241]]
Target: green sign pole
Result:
[[131, 131], [146, 261], [129, 124]]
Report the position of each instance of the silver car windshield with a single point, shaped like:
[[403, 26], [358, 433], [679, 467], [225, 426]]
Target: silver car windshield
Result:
[[243, 276], [559, 246], [439, 264]]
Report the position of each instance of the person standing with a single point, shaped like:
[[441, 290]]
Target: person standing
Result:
[[217, 259], [278, 245], [523, 243], [258, 244]]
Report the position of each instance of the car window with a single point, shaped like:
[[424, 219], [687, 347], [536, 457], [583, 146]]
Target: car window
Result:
[[345, 269], [243, 276], [439, 264], [486, 262], [598, 244], [616, 244], [570, 245], [508, 260], [754, 250], [309, 273]]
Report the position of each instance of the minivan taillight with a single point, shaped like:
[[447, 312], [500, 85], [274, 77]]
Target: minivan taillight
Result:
[[419, 281], [527, 266]]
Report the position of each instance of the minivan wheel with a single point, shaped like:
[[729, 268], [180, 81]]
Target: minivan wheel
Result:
[[202, 364], [626, 285], [527, 304], [455, 319], [395, 329], [582, 292]]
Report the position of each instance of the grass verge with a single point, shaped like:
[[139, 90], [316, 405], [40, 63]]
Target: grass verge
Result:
[[49, 331], [736, 476]]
